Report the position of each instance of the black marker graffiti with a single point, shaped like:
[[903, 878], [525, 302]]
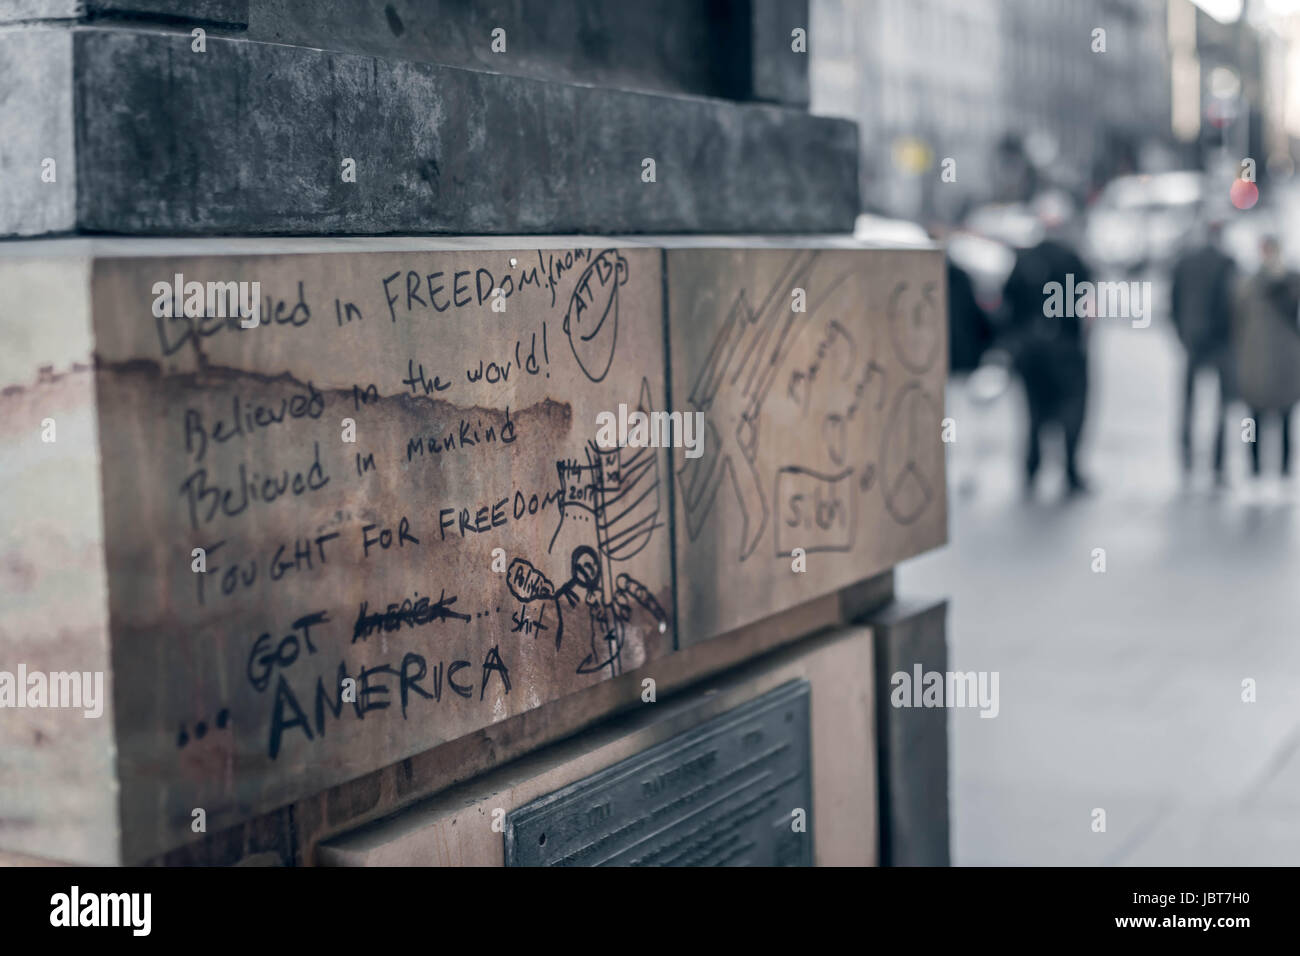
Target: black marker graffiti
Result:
[[591, 320], [415, 612]]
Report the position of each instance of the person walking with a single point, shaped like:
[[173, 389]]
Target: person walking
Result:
[[1049, 351], [1204, 280], [1268, 362], [969, 331]]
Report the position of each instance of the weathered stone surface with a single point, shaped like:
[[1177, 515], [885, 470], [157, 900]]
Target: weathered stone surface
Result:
[[35, 126], [822, 427], [56, 765], [858, 600], [456, 828], [778, 74], [18, 859], [337, 811], [251, 138], [224, 12], [672, 46], [263, 841], [229, 13], [13, 10], [170, 419], [912, 742], [731, 49], [342, 809], [328, 558]]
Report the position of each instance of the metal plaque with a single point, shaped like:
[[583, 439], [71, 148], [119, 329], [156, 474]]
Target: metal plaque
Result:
[[726, 793]]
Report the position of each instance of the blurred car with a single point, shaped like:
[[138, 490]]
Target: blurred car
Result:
[[1139, 222], [872, 228], [987, 243], [987, 261], [1014, 224]]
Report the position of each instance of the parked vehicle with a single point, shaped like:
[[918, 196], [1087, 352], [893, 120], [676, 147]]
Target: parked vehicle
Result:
[[985, 246], [1138, 222]]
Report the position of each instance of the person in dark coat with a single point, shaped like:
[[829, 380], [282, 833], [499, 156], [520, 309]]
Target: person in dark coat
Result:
[[1204, 282], [1049, 347], [969, 331]]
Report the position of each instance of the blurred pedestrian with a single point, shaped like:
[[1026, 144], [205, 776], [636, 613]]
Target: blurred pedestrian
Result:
[[1204, 281], [970, 335], [1268, 346], [1049, 351], [969, 331]]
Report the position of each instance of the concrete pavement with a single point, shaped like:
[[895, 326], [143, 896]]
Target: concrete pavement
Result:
[[1122, 690]]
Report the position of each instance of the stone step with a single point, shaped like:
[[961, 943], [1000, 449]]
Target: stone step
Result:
[[395, 476], [128, 130], [734, 49]]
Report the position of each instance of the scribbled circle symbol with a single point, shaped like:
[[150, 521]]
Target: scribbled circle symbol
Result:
[[591, 320], [914, 325], [910, 454]]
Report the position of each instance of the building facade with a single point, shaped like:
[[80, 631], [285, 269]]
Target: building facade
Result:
[[1015, 92]]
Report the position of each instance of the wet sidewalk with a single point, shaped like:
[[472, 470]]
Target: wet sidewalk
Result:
[[1122, 690]]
